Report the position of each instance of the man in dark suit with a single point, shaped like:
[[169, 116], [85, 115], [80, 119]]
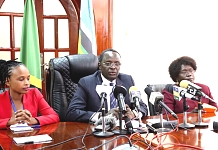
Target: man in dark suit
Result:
[[86, 100]]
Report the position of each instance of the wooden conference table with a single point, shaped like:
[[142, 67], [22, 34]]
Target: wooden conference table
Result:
[[204, 137]]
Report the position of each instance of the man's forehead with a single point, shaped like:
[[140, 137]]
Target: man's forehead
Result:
[[108, 53], [111, 54]]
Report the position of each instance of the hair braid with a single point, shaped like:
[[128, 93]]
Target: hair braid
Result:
[[6, 68]]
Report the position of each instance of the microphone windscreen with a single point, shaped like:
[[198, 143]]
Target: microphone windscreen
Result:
[[148, 91], [184, 84], [134, 93], [176, 93], [133, 88], [119, 90]]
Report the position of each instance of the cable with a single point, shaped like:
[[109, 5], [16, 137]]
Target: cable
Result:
[[137, 137], [84, 145], [179, 145], [65, 141], [83, 136], [130, 143]]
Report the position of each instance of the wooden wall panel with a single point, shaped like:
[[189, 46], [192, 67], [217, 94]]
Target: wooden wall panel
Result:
[[103, 10], [1, 2]]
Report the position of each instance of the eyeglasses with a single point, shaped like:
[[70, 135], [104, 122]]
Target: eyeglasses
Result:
[[110, 64], [185, 72]]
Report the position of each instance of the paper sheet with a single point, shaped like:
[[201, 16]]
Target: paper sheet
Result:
[[22, 127], [44, 138]]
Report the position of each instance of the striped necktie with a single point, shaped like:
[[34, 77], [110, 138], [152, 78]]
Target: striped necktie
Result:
[[113, 100]]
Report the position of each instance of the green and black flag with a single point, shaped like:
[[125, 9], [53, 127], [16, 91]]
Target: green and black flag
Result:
[[29, 50]]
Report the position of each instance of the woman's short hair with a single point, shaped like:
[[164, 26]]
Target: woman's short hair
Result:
[[175, 66]]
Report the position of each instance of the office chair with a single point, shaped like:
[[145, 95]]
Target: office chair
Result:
[[62, 77], [156, 88]]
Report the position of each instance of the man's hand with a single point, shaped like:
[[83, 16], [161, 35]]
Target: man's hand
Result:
[[114, 112], [129, 113]]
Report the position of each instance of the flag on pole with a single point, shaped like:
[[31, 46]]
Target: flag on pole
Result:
[[29, 50], [87, 38]]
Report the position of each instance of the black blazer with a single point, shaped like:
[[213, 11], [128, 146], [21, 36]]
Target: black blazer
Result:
[[86, 100]]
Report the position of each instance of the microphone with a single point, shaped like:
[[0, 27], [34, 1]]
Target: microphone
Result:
[[193, 89], [179, 92], [119, 93], [187, 84], [135, 97], [156, 98], [103, 120], [129, 126], [196, 91], [152, 129]]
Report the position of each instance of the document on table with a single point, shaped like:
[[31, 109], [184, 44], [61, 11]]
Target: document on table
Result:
[[44, 138], [20, 128]]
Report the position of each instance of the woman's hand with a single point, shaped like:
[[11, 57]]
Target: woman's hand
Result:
[[23, 116], [11, 121]]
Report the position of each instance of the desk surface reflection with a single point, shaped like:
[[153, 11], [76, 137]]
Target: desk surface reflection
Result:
[[200, 137]]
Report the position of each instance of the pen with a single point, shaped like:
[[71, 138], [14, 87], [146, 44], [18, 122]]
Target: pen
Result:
[[29, 142], [32, 142], [32, 126], [35, 126]]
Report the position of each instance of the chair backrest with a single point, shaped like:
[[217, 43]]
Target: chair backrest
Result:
[[62, 77], [156, 88]]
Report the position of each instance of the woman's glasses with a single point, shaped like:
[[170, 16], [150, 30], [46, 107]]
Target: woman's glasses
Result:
[[185, 72]]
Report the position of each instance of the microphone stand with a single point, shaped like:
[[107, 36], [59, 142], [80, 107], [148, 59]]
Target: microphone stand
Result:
[[103, 133], [162, 129], [185, 125], [141, 129], [120, 131], [200, 123]]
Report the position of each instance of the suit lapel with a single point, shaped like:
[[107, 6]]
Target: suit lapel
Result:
[[118, 81]]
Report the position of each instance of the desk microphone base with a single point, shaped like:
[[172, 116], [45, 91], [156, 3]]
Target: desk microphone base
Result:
[[141, 130], [120, 132], [186, 125], [103, 134], [201, 124], [161, 130]]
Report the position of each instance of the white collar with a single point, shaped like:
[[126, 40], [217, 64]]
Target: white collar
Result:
[[106, 82]]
